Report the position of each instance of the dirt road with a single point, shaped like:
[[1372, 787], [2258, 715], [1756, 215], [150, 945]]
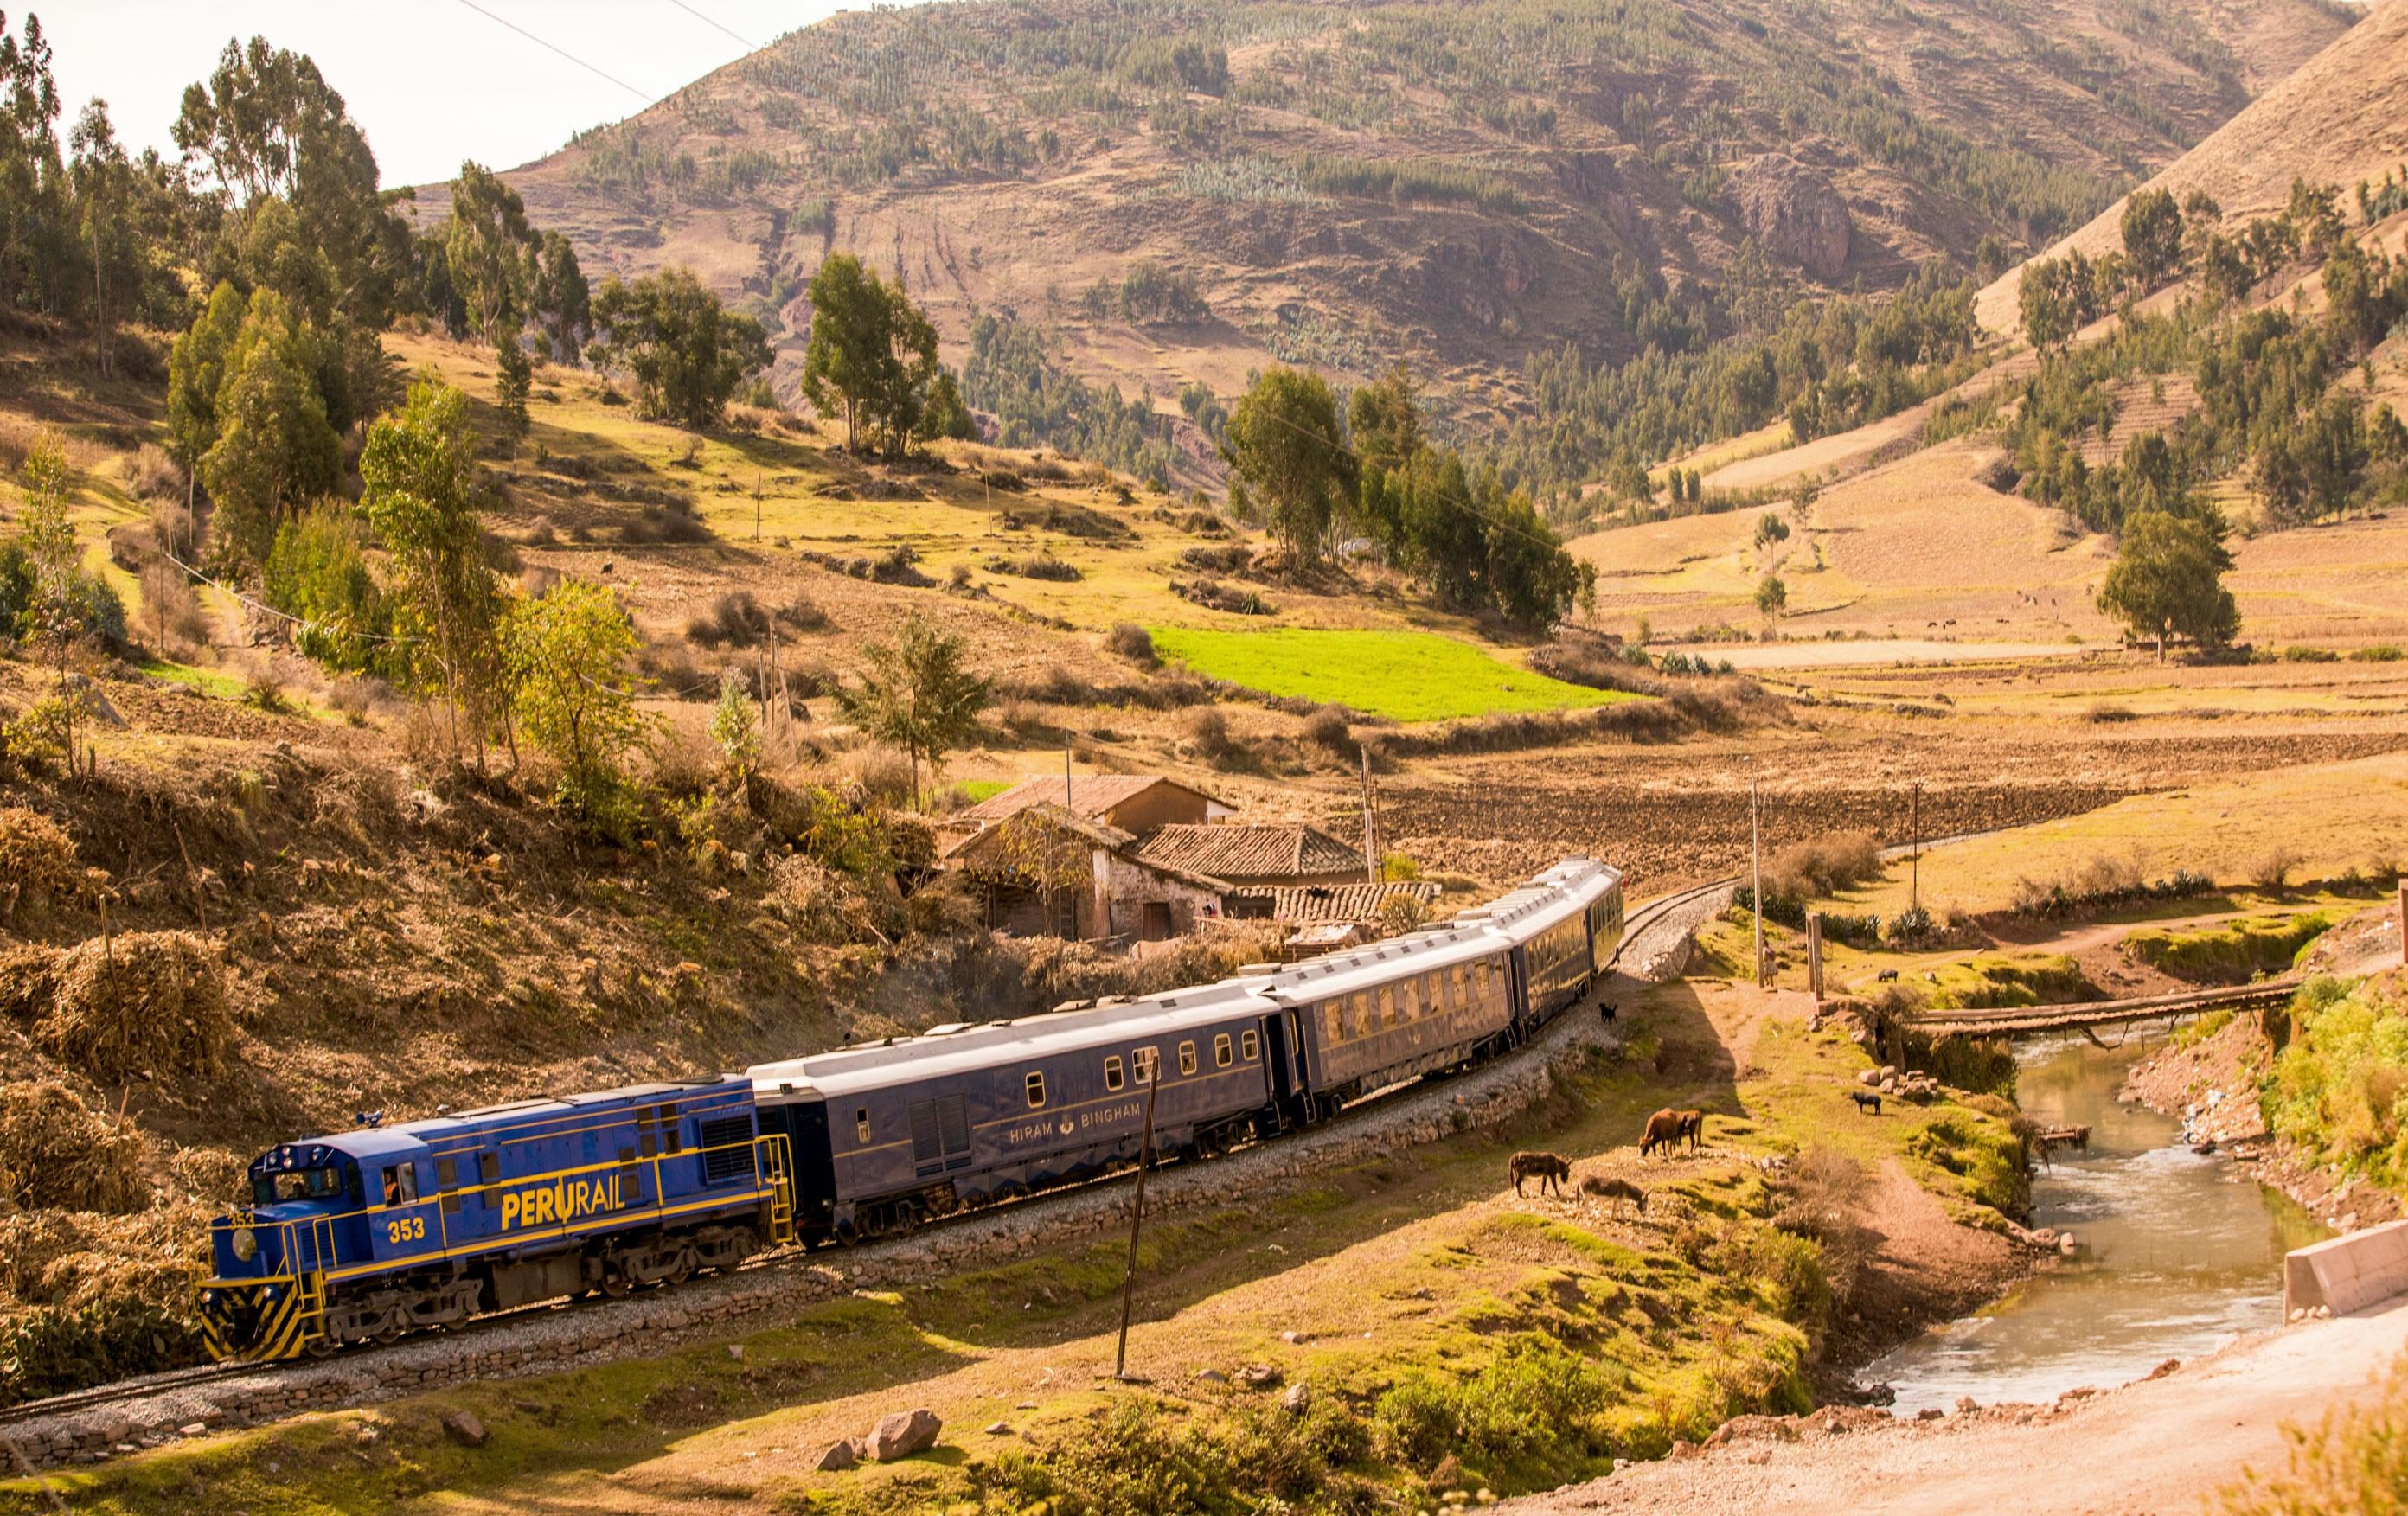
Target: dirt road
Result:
[[2151, 1449]]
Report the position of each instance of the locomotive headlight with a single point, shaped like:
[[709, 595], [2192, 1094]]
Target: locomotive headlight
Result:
[[246, 1243]]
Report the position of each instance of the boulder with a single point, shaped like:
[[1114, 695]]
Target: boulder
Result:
[[1298, 1400], [903, 1434], [1795, 212], [464, 1428], [1258, 1376], [839, 1457]]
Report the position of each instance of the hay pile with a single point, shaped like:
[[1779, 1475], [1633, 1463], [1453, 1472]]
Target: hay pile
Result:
[[151, 1002], [37, 861], [57, 1153]]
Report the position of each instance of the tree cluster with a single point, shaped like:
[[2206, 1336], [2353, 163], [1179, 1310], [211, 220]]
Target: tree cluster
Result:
[[1310, 477], [872, 359]]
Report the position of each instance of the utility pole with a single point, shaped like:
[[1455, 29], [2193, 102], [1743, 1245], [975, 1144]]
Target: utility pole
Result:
[[1370, 823], [1137, 1210], [1072, 838], [756, 505], [1755, 863]]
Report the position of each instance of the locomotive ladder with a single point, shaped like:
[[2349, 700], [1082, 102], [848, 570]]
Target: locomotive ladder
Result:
[[309, 1285], [778, 1172]]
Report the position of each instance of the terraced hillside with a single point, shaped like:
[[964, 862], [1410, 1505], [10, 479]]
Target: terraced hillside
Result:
[[1186, 191]]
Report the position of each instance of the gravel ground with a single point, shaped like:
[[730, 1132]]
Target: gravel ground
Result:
[[2157, 1446]]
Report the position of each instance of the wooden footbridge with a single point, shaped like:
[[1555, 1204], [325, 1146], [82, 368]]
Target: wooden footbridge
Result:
[[2015, 1020]]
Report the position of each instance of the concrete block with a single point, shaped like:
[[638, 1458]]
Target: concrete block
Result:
[[2347, 1273]]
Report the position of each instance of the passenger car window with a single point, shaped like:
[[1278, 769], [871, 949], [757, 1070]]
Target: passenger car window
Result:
[[1036, 1090], [1147, 1060], [860, 1123], [1221, 1050], [1112, 1072], [1247, 1044], [1187, 1058]]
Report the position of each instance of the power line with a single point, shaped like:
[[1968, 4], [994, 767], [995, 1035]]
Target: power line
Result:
[[563, 52], [712, 22]]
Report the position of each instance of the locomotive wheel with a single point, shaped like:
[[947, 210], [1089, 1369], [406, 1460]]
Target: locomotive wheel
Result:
[[615, 1284], [907, 1220]]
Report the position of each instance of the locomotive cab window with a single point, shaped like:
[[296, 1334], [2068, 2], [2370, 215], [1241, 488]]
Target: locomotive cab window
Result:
[[1187, 1058], [1112, 1072], [860, 1123], [1036, 1083], [1221, 1055], [1249, 1044], [401, 1184]]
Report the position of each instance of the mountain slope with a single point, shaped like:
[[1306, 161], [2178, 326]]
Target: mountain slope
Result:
[[1458, 185], [2341, 118]]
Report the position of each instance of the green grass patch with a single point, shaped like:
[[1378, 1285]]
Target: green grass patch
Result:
[[2232, 952], [210, 681], [1410, 676], [1999, 981], [974, 791], [2340, 1089]]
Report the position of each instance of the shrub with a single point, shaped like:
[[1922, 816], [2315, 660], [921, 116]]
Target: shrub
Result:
[[1326, 729], [1209, 729], [58, 1152], [2382, 652], [151, 475], [1537, 1399], [149, 1001], [51, 1350], [2230, 954], [2336, 1089], [2101, 883], [1127, 639], [37, 861], [1824, 866], [2273, 871], [735, 620]]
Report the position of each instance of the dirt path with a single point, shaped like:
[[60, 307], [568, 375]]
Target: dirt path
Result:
[[2157, 1446]]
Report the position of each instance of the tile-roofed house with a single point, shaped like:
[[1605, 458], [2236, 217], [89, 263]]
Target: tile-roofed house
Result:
[[1048, 872], [1252, 855], [1137, 803], [1306, 904]]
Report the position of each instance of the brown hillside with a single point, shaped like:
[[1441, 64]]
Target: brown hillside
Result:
[[2341, 118], [1014, 157]]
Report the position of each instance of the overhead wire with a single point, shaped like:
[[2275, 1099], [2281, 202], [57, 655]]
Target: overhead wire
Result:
[[710, 20], [554, 47]]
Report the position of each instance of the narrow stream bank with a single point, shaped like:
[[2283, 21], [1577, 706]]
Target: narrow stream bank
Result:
[[2179, 1252]]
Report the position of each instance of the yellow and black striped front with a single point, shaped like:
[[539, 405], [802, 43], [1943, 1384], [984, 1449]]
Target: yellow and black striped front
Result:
[[258, 1322]]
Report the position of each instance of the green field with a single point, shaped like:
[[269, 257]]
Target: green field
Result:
[[1410, 676]]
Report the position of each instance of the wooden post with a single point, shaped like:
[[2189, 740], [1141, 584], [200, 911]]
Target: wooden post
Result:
[[1814, 955], [1915, 867], [1370, 824], [756, 505], [1756, 867], [1137, 1210]]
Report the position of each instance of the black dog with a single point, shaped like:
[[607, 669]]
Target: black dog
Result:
[[1866, 1101]]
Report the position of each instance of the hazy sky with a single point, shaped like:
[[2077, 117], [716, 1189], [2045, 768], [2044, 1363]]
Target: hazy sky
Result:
[[432, 80]]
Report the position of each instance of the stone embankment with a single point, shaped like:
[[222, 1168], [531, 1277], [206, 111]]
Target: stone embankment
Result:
[[546, 1339]]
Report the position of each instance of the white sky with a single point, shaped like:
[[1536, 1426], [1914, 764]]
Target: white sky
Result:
[[432, 81]]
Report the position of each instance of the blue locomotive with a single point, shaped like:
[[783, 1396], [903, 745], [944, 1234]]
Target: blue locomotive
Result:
[[377, 1232]]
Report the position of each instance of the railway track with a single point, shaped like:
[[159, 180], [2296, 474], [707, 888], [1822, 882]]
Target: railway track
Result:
[[1645, 918]]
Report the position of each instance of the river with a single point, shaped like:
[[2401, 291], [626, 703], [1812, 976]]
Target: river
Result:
[[2178, 1251]]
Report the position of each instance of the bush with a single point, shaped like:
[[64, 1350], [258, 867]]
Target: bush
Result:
[[2101, 884], [1127, 639], [1537, 1399], [37, 861], [57, 1153], [2336, 1089], [2232, 953], [1209, 729], [1326, 729], [149, 1002], [1822, 867], [151, 475], [51, 1350]]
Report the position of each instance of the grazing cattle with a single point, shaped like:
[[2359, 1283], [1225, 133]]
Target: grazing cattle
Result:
[[1663, 1131], [1887, 976], [1693, 1126], [1549, 1169], [1615, 1189], [1866, 1101]]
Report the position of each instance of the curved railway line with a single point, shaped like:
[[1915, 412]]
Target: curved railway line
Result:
[[1642, 920]]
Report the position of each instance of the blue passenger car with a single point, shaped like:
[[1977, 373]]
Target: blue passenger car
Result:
[[372, 1233], [888, 1134]]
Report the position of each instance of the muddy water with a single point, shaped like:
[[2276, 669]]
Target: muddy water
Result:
[[2179, 1252]]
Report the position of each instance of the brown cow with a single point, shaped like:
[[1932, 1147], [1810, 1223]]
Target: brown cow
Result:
[[1693, 1126], [1615, 1189], [1549, 1169], [1663, 1130]]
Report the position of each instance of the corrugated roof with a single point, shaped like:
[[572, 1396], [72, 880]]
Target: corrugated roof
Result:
[[1300, 903], [1242, 851], [1091, 794]]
